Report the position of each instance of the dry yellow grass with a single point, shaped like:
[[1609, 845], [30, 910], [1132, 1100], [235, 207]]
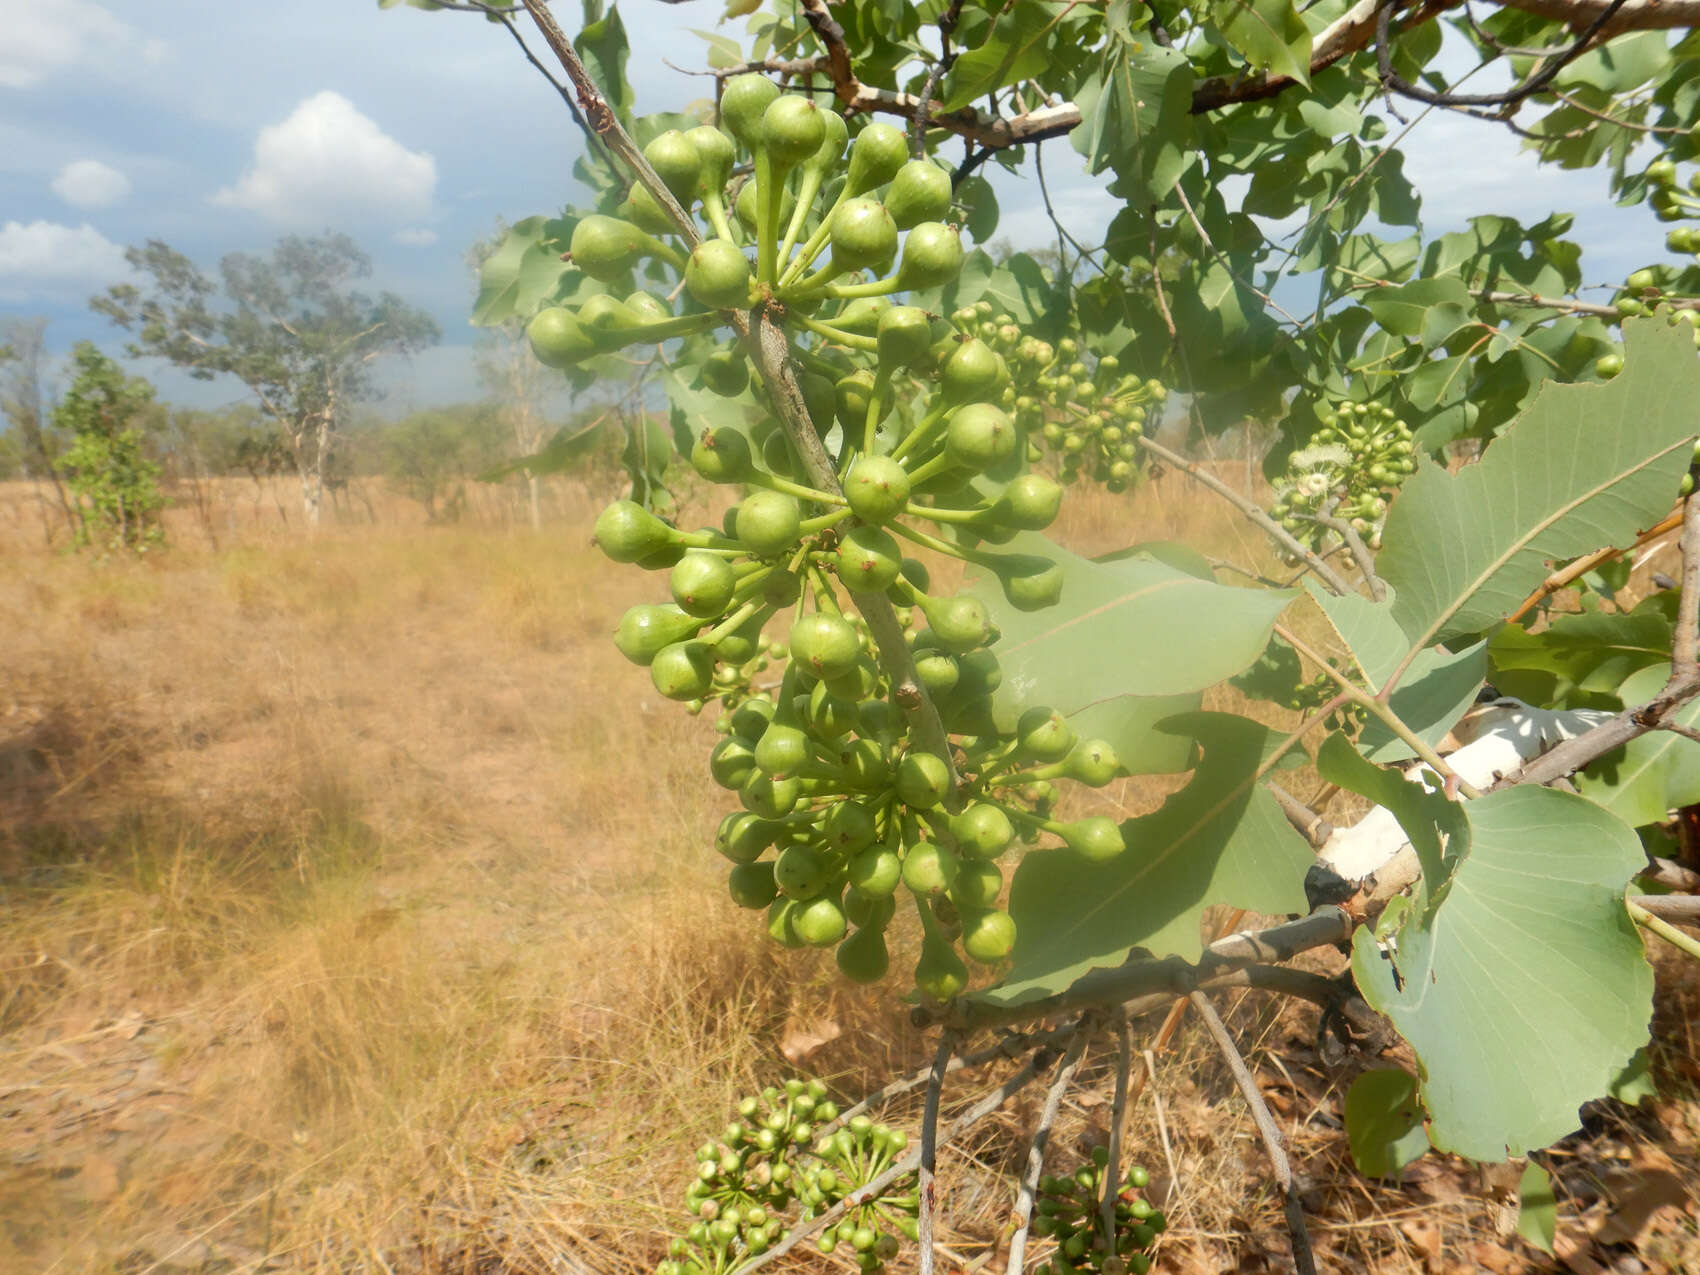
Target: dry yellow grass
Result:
[[356, 915]]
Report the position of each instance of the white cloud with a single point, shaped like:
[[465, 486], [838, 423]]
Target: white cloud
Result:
[[88, 183], [44, 36], [327, 163], [44, 256], [416, 237]]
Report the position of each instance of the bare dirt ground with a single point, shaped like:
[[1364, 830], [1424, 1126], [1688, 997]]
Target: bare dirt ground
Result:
[[357, 914]]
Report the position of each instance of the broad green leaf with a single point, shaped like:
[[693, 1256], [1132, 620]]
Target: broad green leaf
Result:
[[1015, 50], [1269, 33], [1430, 695], [1434, 825], [1650, 776], [1586, 466], [1221, 839], [1135, 626], [1384, 1122], [1525, 990], [1635, 1081], [525, 271], [1421, 306], [1591, 653], [1135, 116], [1537, 1208], [603, 45]]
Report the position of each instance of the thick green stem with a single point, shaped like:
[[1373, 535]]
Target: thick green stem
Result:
[[1664, 929]]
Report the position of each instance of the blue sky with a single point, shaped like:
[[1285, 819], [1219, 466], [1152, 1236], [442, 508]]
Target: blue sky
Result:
[[218, 125]]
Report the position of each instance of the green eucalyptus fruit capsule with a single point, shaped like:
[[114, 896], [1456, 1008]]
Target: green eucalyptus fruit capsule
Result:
[[643, 210], [937, 672], [919, 192], [743, 837], [977, 886], [801, 872], [608, 320], [982, 830], [829, 716], [748, 210], [703, 583], [1044, 734], [627, 532], [929, 869], [819, 922], [648, 307], [830, 153], [1029, 582], [862, 958], [779, 926], [731, 763], [1030, 502], [922, 779], [1096, 838], [792, 129], [867, 559], [989, 936], [863, 235], [769, 796], [878, 154], [877, 488], [826, 645], [971, 373], [851, 395], [959, 623], [848, 828], [781, 588], [1093, 762], [721, 455], [716, 155], [768, 522], [940, 973], [606, 247], [725, 373], [718, 275], [905, 335], [645, 630], [932, 256], [980, 435], [751, 885], [675, 160], [558, 339], [876, 871], [683, 671], [743, 102], [782, 750]]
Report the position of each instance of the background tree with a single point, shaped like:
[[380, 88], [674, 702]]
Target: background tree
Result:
[[23, 400], [115, 484], [289, 327], [517, 381]]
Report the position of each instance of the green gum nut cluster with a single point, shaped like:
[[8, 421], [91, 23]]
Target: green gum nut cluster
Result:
[[788, 1157], [1349, 469], [844, 815], [1068, 1211]]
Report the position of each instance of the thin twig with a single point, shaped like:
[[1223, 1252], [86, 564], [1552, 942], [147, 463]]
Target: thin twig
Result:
[[924, 104], [1330, 578], [1362, 558], [1303, 1257], [1683, 909], [1668, 932], [1310, 825], [930, 1148], [1152, 983], [1118, 1116], [1567, 575], [1036, 1156], [1162, 1123]]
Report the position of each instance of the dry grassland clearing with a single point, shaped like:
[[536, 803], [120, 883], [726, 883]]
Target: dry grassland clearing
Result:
[[358, 914]]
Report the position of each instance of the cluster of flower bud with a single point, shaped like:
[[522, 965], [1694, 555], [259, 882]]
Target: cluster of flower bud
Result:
[[1349, 470], [785, 1159]]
